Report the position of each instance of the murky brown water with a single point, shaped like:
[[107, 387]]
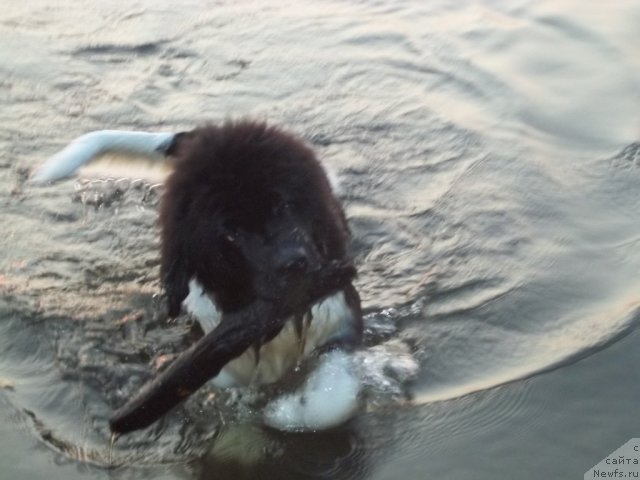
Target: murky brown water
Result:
[[489, 158]]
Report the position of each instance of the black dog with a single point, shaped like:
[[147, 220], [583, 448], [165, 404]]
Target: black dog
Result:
[[254, 244]]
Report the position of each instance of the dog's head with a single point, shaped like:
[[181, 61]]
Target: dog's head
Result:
[[247, 210]]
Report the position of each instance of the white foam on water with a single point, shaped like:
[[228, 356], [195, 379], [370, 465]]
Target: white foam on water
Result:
[[328, 398]]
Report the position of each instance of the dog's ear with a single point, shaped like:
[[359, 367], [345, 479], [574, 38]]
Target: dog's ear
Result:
[[176, 285], [176, 268]]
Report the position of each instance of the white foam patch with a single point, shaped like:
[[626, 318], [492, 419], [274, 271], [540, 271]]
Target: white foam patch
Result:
[[328, 398], [386, 370]]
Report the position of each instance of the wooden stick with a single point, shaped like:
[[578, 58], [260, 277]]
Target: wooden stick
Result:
[[239, 330]]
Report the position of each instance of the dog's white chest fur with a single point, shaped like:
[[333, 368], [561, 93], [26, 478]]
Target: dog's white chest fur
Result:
[[330, 319]]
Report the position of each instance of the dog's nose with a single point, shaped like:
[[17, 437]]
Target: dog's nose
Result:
[[293, 260]]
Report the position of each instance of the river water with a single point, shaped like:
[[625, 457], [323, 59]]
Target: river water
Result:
[[489, 159]]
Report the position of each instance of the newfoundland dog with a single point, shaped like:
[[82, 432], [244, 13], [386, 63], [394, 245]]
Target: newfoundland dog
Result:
[[255, 246]]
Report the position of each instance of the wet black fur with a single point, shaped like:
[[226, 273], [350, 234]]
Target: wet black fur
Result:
[[241, 198], [228, 183]]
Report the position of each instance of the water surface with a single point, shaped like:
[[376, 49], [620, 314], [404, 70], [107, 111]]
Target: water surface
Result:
[[489, 160]]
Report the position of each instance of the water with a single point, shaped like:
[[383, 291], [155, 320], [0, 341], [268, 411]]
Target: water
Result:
[[489, 160]]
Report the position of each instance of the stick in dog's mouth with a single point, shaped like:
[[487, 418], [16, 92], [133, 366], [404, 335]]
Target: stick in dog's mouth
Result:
[[258, 322]]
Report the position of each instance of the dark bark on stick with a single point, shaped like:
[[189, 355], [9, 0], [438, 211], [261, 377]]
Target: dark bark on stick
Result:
[[260, 321]]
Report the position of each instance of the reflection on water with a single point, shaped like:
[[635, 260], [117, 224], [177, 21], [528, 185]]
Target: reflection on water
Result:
[[249, 452], [488, 159]]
